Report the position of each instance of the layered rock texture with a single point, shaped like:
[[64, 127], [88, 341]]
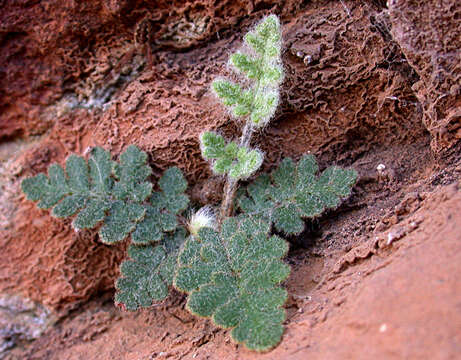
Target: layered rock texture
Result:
[[428, 33], [360, 76]]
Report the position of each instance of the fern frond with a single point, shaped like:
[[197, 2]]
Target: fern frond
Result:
[[131, 173], [263, 67], [116, 195], [148, 273], [234, 276], [237, 161], [162, 208], [294, 192]]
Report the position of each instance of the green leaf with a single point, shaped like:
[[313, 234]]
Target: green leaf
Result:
[[100, 170], [266, 38], [162, 208], [91, 192], [294, 192], [234, 277], [121, 221], [259, 200], [212, 145], [77, 172], [256, 43], [174, 185], [48, 190], [288, 219], [263, 68], [238, 161], [272, 74], [69, 206], [35, 187], [307, 170], [173, 181], [118, 197], [269, 29], [222, 165], [149, 229], [284, 178], [132, 173], [264, 106], [248, 161], [251, 67], [93, 212], [264, 315], [148, 273], [229, 92]]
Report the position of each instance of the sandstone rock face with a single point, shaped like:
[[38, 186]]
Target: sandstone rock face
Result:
[[428, 33], [79, 74], [21, 319], [114, 72]]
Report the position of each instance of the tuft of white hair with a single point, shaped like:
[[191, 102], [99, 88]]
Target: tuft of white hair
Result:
[[204, 217]]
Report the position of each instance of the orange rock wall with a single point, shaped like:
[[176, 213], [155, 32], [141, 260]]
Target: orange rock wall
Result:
[[116, 72]]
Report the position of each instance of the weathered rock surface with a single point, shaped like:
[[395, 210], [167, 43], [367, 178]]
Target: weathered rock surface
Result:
[[115, 72], [428, 33], [392, 293], [21, 319]]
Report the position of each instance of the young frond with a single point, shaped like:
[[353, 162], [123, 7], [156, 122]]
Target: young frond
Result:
[[237, 161], [263, 67]]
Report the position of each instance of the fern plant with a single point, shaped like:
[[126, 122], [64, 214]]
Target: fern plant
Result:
[[117, 198], [230, 266]]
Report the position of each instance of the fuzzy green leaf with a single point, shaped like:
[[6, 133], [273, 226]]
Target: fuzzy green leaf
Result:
[[288, 219], [36, 187], [234, 277], [264, 106], [251, 67], [256, 43], [173, 181], [174, 185], [48, 190], [102, 191], [100, 170], [263, 67], [261, 329], [118, 196], [232, 95], [77, 172], [148, 273], [238, 162], [132, 173], [148, 230], [248, 161], [295, 192], [241, 110], [121, 221], [69, 206], [229, 93], [162, 209], [91, 215], [272, 74], [269, 29], [212, 145], [265, 39]]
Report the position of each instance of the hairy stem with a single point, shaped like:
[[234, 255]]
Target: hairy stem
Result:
[[230, 188], [247, 134], [266, 53]]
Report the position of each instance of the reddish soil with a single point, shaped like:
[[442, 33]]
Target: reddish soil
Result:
[[367, 83]]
